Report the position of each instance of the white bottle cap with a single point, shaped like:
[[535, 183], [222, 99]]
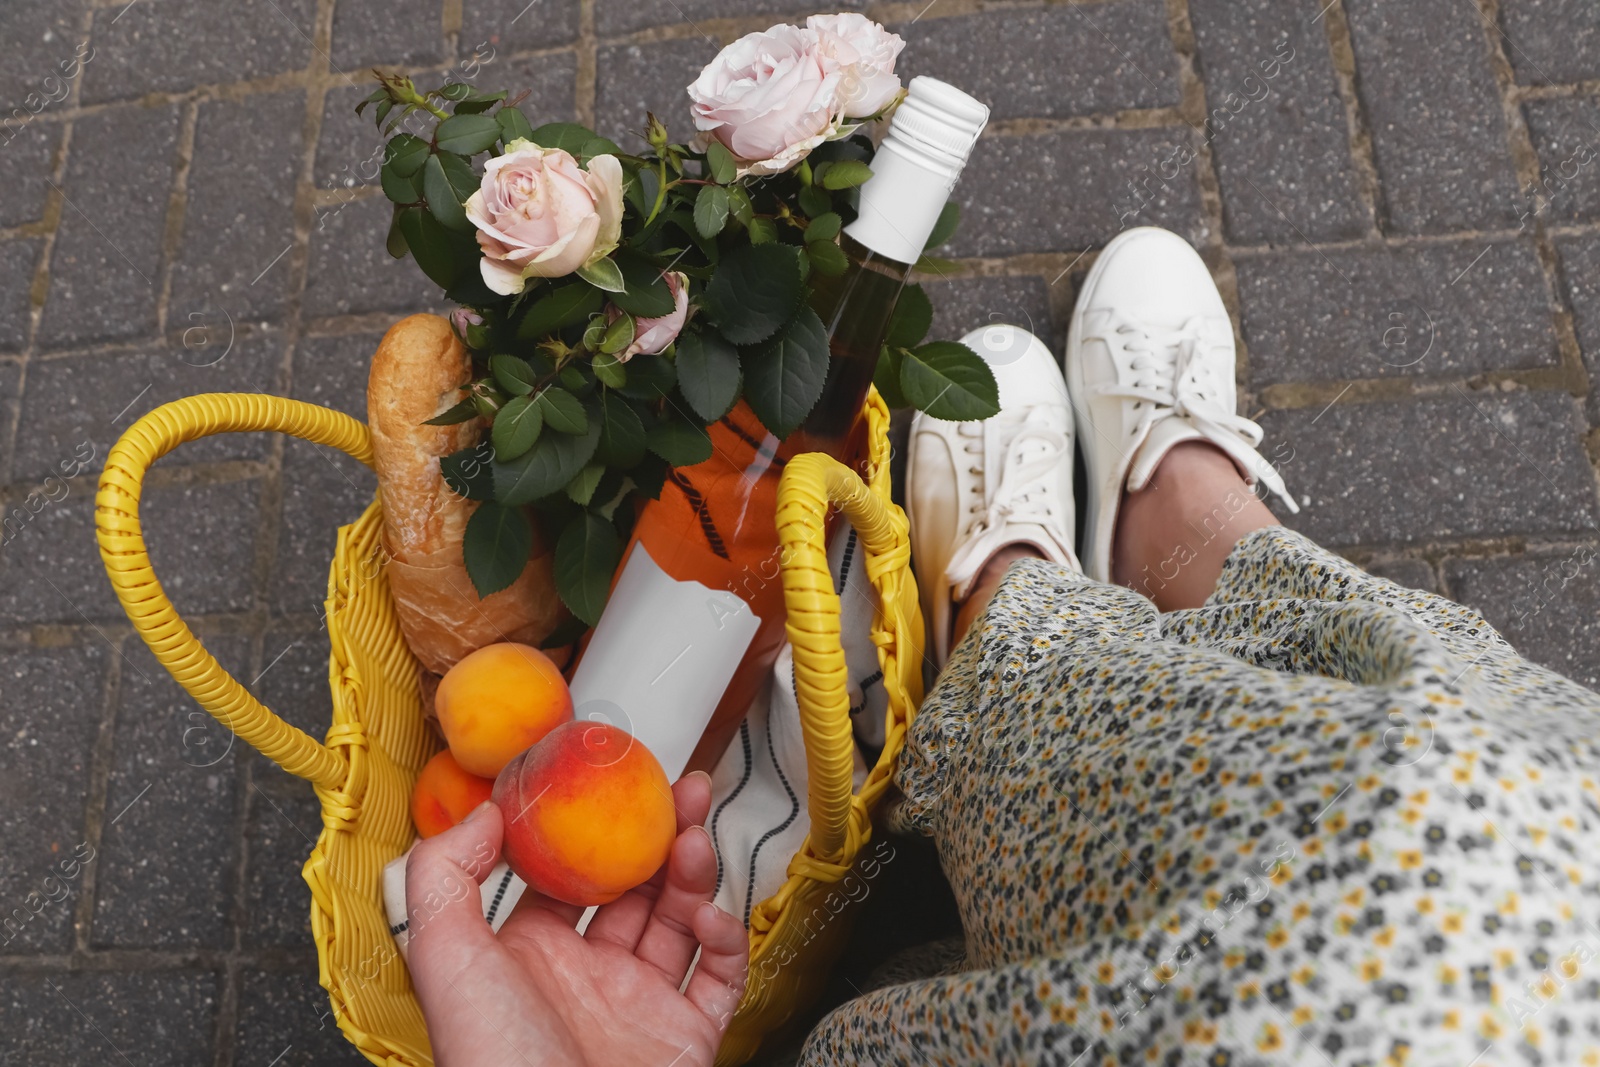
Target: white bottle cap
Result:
[[916, 167]]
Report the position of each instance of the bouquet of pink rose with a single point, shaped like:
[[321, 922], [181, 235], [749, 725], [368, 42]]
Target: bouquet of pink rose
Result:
[[617, 304]]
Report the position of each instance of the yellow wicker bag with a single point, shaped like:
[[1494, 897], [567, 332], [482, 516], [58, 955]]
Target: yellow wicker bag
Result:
[[378, 741]]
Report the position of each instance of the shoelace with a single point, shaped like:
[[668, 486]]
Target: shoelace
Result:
[[1035, 452], [1172, 377]]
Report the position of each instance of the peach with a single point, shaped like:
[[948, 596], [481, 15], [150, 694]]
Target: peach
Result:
[[588, 813], [445, 794], [496, 702]]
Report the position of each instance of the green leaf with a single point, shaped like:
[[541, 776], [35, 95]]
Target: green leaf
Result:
[[513, 124], [442, 258], [581, 489], [845, 174], [649, 476], [555, 460], [945, 227], [887, 377], [405, 153], [617, 336], [604, 274], [456, 413], [646, 293], [565, 135], [762, 231], [516, 428], [949, 381], [679, 441], [754, 290], [445, 202], [828, 258], [720, 162], [469, 473], [395, 243], [598, 146], [467, 134], [909, 322], [784, 376], [708, 373], [496, 546], [563, 411], [571, 303], [825, 227], [739, 204], [587, 554], [649, 377], [479, 103], [401, 189], [512, 374], [455, 90], [621, 432], [609, 370], [815, 201], [711, 210]]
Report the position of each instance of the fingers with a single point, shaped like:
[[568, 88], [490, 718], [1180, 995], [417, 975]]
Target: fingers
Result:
[[719, 977], [622, 922], [443, 904], [668, 941]]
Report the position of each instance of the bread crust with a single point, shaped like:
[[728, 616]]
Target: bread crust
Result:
[[417, 372]]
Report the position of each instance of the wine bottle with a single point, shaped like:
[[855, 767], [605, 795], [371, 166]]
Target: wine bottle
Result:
[[696, 615]]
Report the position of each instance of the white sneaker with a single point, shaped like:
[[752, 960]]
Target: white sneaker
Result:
[[1150, 364], [974, 487]]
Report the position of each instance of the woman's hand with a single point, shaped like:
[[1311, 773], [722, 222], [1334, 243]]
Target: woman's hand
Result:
[[540, 995]]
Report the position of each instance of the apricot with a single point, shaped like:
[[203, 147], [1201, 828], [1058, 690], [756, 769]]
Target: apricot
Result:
[[588, 813], [496, 702], [445, 794]]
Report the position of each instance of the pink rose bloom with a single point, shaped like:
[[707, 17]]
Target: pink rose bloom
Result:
[[769, 97], [540, 215], [865, 53], [652, 336], [463, 318]]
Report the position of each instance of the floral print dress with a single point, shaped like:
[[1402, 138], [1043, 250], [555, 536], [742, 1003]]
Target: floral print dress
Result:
[[1322, 819]]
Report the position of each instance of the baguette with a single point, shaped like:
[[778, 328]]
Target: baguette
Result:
[[417, 373]]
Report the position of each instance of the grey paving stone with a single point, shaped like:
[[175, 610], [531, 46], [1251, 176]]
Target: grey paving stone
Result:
[[161, 1017], [40, 44], [322, 490], [43, 850], [1462, 464], [495, 27], [238, 222], [294, 683], [27, 155], [287, 1014], [386, 31], [1073, 189], [177, 44], [77, 406], [638, 78], [549, 80], [965, 304], [1566, 134], [1367, 312], [1411, 573], [1546, 604], [170, 842], [280, 834], [1552, 41], [18, 260], [1437, 127], [105, 267], [1580, 273], [1276, 126], [332, 371], [624, 16], [1013, 60], [201, 541], [10, 402], [351, 270]]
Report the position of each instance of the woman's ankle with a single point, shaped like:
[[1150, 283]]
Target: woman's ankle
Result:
[[1174, 534], [985, 584]]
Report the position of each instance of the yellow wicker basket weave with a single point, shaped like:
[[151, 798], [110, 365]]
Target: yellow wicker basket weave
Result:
[[378, 741]]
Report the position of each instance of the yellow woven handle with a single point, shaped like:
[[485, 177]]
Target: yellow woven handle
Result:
[[810, 483], [128, 564]]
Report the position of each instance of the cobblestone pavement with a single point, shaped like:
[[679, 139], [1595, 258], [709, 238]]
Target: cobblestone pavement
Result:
[[1400, 201]]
